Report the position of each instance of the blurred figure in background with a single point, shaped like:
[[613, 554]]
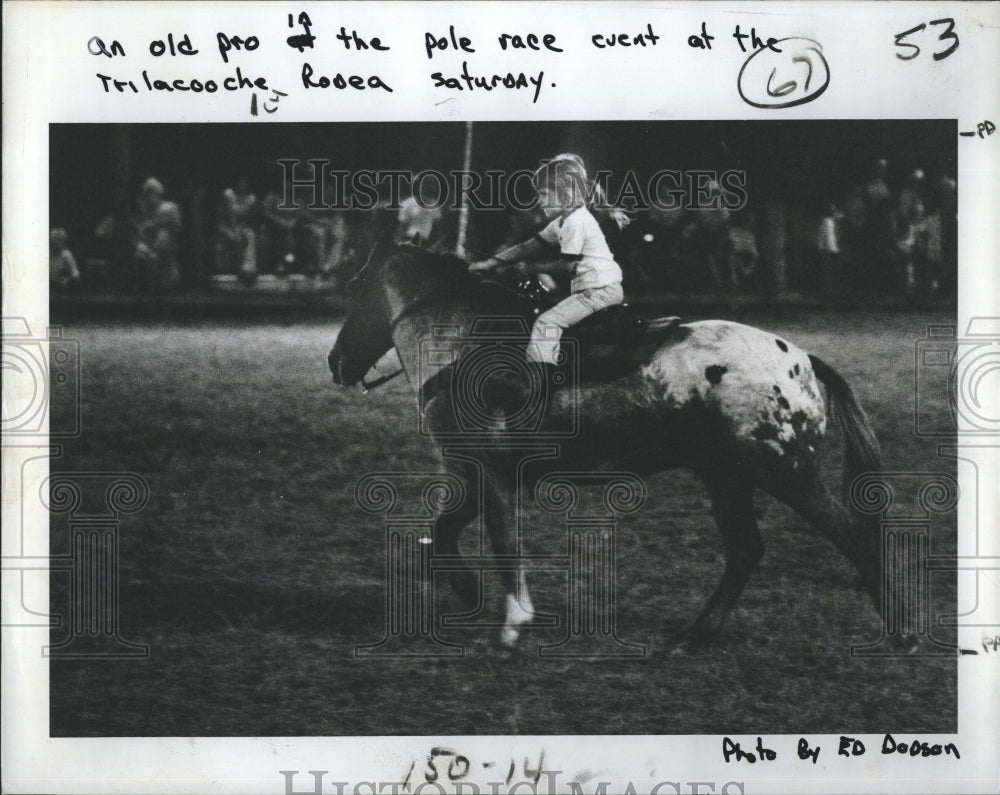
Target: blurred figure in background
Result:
[[64, 275], [946, 205], [278, 243], [157, 231], [236, 240], [828, 277], [855, 259], [909, 227], [332, 240], [928, 255], [710, 236], [880, 232], [416, 225], [666, 220], [743, 252]]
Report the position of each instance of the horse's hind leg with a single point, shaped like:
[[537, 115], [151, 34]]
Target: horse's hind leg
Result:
[[810, 497], [732, 506]]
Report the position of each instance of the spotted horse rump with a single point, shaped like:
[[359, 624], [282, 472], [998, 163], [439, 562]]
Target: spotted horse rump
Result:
[[762, 387]]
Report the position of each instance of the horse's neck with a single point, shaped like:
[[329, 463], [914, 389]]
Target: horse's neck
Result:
[[428, 342], [432, 338]]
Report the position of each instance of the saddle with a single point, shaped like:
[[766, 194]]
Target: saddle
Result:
[[609, 343]]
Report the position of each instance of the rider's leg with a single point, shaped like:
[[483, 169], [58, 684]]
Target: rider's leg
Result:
[[548, 328]]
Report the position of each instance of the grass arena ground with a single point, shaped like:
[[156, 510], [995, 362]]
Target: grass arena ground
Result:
[[252, 574]]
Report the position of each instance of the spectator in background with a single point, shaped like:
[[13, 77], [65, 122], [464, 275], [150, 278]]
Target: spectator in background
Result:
[[710, 236], [666, 240], [312, 230], [743, 251], [278, 244], [828, 252], [245, 203], [157, 233], [879, 230], [236, 241], [928, 254], [946, 203], [333, 232], [293, 237], [910, 204], [909, 220], [63, 271], [419, 226], [852, 241]]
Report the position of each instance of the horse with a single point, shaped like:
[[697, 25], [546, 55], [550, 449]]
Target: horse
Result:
[[739, 406]]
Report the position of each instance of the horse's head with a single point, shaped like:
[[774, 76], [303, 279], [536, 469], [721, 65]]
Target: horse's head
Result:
[[366, 335], [395, 282]]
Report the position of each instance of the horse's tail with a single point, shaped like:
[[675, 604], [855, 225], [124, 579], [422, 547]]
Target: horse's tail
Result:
[[861, 454], [861, 448]]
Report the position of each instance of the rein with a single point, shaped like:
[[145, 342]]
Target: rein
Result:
[[368, 386], [436, 383]]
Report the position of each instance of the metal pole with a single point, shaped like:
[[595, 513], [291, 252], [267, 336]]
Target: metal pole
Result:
[[463, 213]]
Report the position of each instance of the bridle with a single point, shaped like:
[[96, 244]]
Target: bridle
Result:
[[420, 303], [367, 386]]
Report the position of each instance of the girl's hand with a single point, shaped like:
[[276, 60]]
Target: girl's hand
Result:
[[485, 265]]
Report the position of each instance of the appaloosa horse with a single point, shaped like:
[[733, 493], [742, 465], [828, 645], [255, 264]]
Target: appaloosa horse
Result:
[[739, 406]]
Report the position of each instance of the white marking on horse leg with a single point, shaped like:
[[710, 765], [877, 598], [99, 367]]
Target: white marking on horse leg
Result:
[[522, 593], [519, 611]]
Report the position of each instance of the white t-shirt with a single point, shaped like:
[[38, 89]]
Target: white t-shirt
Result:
[[578, 234]]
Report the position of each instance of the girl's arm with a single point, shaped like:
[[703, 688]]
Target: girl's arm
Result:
[[555, 266], [529, 249]]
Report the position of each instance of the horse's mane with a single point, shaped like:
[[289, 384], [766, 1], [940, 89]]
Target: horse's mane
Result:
[[448, 276]]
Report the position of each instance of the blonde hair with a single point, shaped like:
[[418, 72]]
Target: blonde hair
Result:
[[566, 174]]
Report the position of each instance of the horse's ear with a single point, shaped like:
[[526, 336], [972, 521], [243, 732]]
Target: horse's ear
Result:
[[381, 249]]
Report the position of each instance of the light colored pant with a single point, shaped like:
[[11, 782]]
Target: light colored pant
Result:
[[549, 327]]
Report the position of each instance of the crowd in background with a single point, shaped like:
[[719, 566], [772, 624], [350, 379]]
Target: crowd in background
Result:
[[897, 242], [895, 239]]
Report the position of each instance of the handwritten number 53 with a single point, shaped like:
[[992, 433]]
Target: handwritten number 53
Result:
[[913, 50]]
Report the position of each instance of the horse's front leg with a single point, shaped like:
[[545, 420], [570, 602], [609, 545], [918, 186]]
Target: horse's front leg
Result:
[[447, 528], [500, 513]]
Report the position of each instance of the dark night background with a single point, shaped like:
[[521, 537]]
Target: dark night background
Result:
[[794, 168]]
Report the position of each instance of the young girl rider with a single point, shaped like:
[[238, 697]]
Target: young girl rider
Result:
[[574, 236]]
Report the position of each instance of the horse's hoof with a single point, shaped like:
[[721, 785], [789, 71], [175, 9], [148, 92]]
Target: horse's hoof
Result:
[[693, 641], [904, 645], [684, 647]]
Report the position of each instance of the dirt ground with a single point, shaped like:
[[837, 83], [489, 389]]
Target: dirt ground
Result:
[[252, 574]]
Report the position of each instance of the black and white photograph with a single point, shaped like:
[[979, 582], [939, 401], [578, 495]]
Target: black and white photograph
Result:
[[655, 509], [562, 449]]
